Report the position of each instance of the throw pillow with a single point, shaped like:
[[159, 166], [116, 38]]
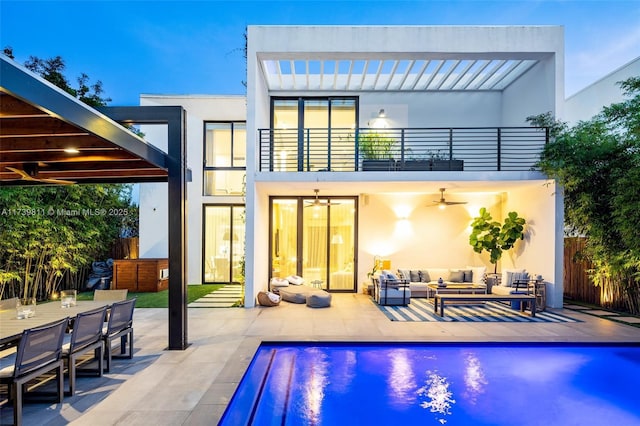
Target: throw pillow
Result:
[[295, 280], [478, 273], [279, 282], [456, 276], [405, 274], [414, 276], [468, 275], [424, 276], [508, 276]]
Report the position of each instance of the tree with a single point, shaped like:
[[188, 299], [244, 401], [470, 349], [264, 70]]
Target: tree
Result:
[[46, 231], [52, 70], [597, 164], [488, 235]]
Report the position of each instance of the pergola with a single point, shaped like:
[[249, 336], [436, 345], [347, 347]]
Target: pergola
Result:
[[49, 137]]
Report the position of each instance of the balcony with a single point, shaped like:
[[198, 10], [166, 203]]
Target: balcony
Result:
[[407, 149]]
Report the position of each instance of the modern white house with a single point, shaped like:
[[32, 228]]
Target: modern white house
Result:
[[339, 151]]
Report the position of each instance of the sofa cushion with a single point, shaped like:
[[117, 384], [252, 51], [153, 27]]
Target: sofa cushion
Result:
[[423, 276], [296, 293], [468, 275], [456, 276], [414, 276]]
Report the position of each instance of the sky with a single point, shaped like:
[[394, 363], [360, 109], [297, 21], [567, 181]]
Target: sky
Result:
[[196, 47]]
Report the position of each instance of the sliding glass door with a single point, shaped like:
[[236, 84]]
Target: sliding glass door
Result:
[[311, 134], [316, 239], [223, 243]]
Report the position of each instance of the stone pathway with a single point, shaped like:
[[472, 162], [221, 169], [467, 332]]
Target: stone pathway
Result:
[[614, 316], [224, 297]]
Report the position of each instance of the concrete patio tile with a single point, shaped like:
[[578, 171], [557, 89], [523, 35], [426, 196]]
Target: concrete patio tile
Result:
[[155, 417], [576, 307], [602, 313], [630, 320]]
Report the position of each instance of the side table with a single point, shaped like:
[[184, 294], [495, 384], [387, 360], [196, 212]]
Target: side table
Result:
[[539, 289]]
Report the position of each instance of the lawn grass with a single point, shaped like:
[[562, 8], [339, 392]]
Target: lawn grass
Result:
[[161, 298]]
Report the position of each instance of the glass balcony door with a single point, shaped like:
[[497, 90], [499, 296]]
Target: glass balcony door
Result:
[[315, 240], [311, 134]]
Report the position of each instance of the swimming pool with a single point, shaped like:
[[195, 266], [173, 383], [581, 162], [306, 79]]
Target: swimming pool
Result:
[[435, 384]]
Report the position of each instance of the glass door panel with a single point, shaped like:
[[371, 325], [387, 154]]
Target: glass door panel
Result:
[[314, 241], [285, 135], [284, 238], [316, 134], [223, 243], [342, 243], [342, 138]]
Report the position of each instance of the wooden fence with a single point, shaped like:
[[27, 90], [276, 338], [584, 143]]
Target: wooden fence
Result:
[[577, 285], [125, 248]]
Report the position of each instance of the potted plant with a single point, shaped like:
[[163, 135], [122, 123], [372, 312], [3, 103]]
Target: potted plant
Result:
[[377, 151], [416, 162], [488, 235], [441, 162]]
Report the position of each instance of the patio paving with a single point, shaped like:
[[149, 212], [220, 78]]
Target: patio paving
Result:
[[192, 387]]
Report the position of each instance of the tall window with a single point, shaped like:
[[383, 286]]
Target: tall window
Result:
[[225, 148]]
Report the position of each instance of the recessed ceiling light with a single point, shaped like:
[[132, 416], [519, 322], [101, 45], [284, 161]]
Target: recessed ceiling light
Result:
[[71, 150]]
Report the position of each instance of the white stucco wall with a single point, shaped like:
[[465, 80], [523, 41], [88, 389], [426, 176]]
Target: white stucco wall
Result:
[[589, 101], [412, 233], [536, 92], [153, 223], [538, 253]]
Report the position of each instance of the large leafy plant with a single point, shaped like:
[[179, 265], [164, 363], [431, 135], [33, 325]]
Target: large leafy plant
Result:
[[488, 235]]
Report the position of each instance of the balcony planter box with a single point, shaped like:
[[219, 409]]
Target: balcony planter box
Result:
[[378, 165], [446, 165], [416, 165]]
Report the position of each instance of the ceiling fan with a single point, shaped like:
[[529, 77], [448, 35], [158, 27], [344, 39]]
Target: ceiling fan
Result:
[[442, 203], [29, 173], [317, 202]]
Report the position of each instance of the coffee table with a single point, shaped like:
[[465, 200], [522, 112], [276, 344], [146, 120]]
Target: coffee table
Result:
[[461, 288]]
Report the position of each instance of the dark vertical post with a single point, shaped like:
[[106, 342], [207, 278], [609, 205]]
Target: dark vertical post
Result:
[[402, 147], [174, 118], [177, 231], [450, 148], [357, 153], [300, 135], [499, 146]]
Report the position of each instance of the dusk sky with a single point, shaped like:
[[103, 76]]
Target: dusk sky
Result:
[[195, 47]]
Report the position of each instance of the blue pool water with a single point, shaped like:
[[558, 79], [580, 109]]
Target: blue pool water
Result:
[[427, 384]]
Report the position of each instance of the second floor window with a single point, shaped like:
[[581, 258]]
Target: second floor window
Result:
[[225, 148]]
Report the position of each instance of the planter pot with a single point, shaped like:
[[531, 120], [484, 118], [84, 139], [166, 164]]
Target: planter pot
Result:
[[416, 165], [378, 165], [445, 165]]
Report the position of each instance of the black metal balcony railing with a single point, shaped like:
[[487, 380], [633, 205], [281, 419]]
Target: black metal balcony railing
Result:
[[406, 149]]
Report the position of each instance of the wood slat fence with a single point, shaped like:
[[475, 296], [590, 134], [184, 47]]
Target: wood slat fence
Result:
[[577, 285]]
